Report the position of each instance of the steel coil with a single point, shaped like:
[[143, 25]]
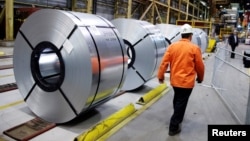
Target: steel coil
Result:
[[145, 47], [172, 34], [67, 62], [203, 38]]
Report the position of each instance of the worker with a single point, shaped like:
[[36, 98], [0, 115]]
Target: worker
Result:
[[233, 41], [186, 67]]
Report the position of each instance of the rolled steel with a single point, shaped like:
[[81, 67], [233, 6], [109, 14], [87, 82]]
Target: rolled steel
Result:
[[145, 47], [66, 63], [172, 34], [203, 38]]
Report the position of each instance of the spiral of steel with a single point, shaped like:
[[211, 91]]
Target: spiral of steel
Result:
[[67, 62], [145, 47], [172, 34]]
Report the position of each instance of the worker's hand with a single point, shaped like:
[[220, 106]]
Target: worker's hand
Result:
[[198, 81], [161, 81]]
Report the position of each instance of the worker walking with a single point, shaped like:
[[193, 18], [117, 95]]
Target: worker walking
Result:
[[233, 41], [186, 66]]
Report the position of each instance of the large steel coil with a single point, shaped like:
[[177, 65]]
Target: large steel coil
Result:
[[67, 62], [172, 34], [203, 38], [145, 48]]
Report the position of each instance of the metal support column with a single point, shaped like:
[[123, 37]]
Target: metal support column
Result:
[[168, 12], [73, 4], [90, 6], [9, 19], [159, 15], [198, 10], [179, 12], [129, 9], [152, 17], [146, 11], [187, 9]]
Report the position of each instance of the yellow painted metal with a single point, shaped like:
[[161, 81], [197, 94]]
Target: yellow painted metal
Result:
[[168, 13], [126, 5], [211, 45], [104, 126], [145, 12], [89, 6], [187, 9], [133, 116], [116, 9], [152, 94], [77, 9], [9, 19], [74, 5], [152, 17], [103, 130], [158, 13], [197, 24], [129, 11], [153, 6], [179, 10], [159, 3]]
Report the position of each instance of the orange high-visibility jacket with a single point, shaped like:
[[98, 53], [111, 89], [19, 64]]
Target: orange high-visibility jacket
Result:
[[185, 60]]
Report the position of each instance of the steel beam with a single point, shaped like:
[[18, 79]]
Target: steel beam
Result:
[[89, 6], [9, 19]]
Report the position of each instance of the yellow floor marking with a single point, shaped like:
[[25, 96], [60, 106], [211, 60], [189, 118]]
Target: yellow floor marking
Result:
[[11, 104], [7, 75], [1, 53], [133, 116], [104, 126], [151, 94]]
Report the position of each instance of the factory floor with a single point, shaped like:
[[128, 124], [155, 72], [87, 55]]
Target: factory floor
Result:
[[204, 108]]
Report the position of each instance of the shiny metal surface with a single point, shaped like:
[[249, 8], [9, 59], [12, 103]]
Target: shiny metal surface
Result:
[[49, 64], [204, 38], [67, 62], [172, 34], [145, 47]]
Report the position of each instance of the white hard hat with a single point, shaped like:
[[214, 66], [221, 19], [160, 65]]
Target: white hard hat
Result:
[[186, 28]]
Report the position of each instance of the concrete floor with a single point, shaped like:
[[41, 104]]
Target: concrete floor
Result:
[[204, 108]]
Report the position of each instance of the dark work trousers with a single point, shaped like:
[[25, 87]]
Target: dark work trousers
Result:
[[233, 49], [181, 96]]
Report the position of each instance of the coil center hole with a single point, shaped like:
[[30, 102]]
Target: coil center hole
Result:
[[130, 52], [47, 66]]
